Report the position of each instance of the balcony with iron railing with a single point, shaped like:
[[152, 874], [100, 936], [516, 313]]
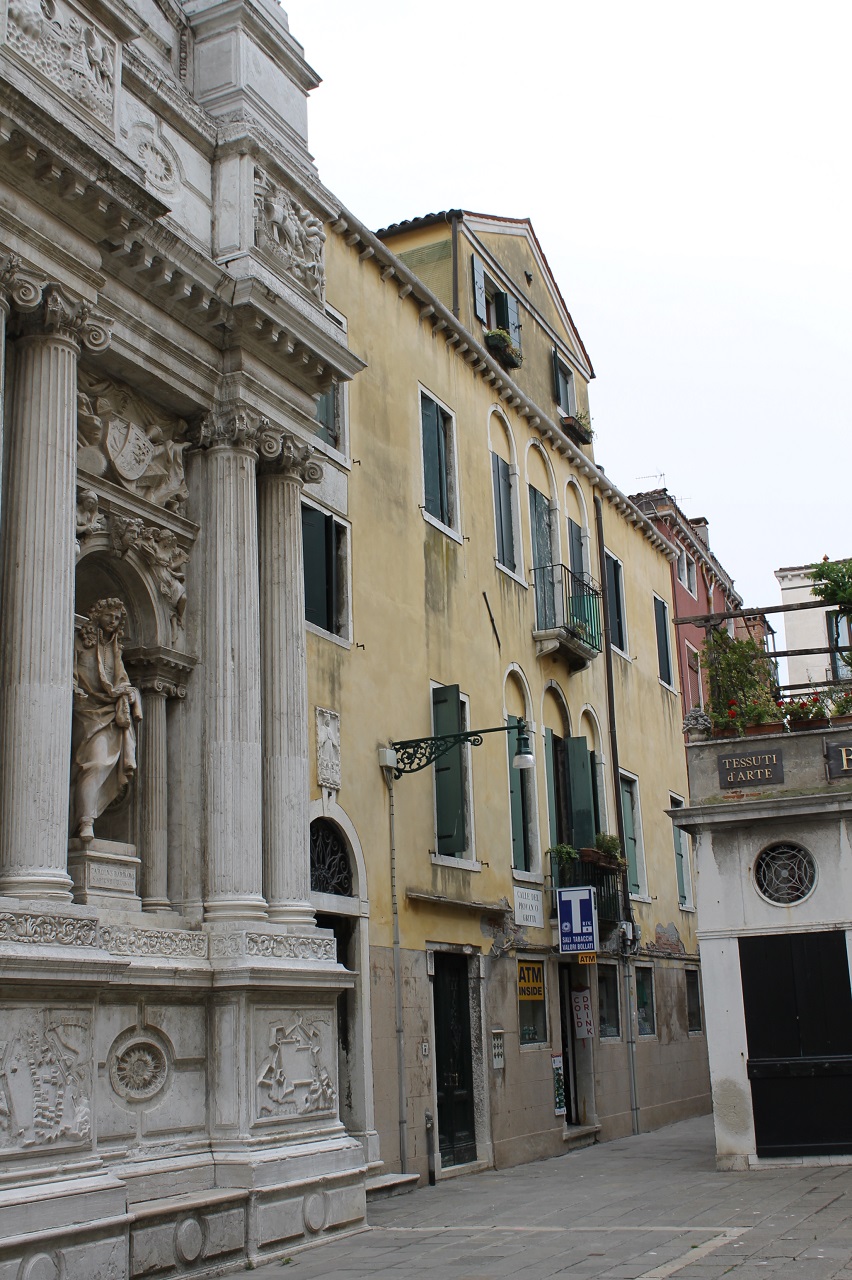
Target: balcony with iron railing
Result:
[[567, 615], [578, 874]]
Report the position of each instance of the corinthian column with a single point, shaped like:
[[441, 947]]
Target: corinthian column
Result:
[[231, 656], [286, 828], [23, 290], [37, 601]]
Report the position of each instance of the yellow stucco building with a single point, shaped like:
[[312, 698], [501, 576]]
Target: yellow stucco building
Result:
[[454, 556]]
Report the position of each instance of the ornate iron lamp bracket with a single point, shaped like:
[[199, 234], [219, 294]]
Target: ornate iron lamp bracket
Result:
[[418, 753]]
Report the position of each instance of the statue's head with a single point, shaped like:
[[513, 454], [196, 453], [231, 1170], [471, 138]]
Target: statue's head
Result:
[[109, 615]]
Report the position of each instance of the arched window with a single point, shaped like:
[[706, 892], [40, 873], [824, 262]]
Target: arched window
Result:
[[331, 868]]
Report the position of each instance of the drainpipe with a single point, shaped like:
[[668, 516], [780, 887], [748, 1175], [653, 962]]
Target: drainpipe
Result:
[[397, 987], [619, 817]]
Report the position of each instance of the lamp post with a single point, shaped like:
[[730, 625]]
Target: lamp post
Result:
[[412, 754]]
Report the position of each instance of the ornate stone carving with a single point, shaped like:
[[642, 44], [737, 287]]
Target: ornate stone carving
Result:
[[103, 743], [43, 930], [89, 520], [45, 1077], [138, 1068], [172, 943], [292, 458], [69, 51], [156, 156], [285, 946], [134, 443], [240, 428], [289, 233], [291, 1078], [328, 748], [161, 551], [697, 723], [19, 285]]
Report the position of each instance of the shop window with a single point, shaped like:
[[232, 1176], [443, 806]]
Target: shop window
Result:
[[693, 1001], [609, 1012], [324, 548], [532, 1005], [645, 1012]]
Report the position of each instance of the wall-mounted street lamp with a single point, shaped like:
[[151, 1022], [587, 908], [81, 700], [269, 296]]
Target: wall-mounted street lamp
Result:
[[413, 754]]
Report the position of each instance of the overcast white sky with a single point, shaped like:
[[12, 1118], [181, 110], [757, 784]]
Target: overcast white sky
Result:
[[687, 170]]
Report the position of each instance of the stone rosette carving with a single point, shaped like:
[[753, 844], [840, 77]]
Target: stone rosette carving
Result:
[[45, 1078], [125, 438], [165, 557], [138, 1067], [289, 234], [157, 157], [328, 748], [71, 53], [169, 943], [45, 930], [292, 1078]]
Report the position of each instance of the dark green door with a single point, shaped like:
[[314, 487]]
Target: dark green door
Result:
[[453, 1060]]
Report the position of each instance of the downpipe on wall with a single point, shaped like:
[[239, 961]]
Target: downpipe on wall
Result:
[[402, 1093]]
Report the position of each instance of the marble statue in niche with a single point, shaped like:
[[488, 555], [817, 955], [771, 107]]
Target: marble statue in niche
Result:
[[123, 437], [106, 708], [290, 233]]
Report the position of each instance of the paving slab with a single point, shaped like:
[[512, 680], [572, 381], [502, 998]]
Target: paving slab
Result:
[[650, 1207]]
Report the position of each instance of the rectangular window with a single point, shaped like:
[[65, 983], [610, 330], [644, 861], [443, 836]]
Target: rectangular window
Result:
[[634, 852], [572, 791], [328, 416], [839, 634], [542, 560], [451, 814], [615, 602], [532, 1005], [686, 572], [609, 1013], [438, 460], [324, 554], [693, 1001], [664, 651], [575, 549], [681, 853], [563, 386], [694, 691], [495, 308], [645, 1012], [519, 802], [502, 478]]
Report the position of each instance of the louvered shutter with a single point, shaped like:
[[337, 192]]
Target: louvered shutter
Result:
[[664, 657], [517, 803], [449, 774], [315, 560], [582, 797], [480, 309]]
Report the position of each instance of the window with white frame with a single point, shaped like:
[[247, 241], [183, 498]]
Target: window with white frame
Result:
[[440, 502], [683, 867], [504, 512], [664, 647], [615, 602], [494, 307], [563, 386], [325, 551], [329, 416], [686, 572], [634, 850], [451, 771]]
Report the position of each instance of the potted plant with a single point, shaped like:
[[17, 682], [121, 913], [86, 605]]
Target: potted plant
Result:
[[805, 713], [499, 343], [841, 706], [579, 426], [742, 685], [606, 853], [562, 858]]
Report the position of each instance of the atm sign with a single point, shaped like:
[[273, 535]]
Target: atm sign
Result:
[[530, 979]]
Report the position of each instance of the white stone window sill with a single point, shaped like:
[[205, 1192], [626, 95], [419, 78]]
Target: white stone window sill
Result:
[[669, 688], [641, 897], [648, 1035], [458, 864], [532, 1048], [444, 528], [528, 877], [610, 1040], [510, 573], [328, 635], [689, 910], [622, 654]]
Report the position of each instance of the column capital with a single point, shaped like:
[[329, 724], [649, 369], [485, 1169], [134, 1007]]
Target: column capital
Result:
[[159, 671], [55, 313], [293, 459], [237, 428], [20, 287]]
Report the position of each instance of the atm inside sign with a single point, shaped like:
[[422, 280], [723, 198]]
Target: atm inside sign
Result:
[[531, 980]]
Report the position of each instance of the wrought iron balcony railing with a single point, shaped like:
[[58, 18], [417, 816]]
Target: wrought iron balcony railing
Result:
[[571, 606], [580, 875]]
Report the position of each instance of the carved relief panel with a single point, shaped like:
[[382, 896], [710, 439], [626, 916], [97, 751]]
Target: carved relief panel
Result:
[[70, 52], [45, 1078], [294, 1064], [289, 234]]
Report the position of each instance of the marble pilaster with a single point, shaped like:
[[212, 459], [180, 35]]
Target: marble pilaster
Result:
[[286, 824], [231, 644], [37, 601]]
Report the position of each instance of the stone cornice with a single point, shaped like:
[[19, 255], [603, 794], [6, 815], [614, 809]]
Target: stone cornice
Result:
[[170, 100], [266, 30], [395, 274]]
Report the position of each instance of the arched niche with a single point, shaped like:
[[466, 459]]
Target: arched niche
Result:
[[101, 574]]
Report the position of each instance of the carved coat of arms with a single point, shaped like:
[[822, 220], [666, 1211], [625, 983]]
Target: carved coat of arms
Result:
[[129, 448]]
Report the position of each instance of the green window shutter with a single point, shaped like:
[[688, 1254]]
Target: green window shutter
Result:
[[434, 459], [501, 310], [518, 804], [551, 785], [315, 552], [575, 548], [680, 867], [449, 774], [582, 796], [502, 479], [513, 320], [480, 309], [614, 602], [596, 799], [664, 657], [631, 850], [556, 384]]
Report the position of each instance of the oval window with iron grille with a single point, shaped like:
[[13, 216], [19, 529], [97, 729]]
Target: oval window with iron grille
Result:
[[785, 874]]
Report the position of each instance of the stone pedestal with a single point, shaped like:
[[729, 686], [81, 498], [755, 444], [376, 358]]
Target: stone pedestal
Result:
[[286, 827], [105, 873]]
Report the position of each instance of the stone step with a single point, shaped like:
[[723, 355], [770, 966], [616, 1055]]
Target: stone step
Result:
[[384, 1185], [577, 1136]]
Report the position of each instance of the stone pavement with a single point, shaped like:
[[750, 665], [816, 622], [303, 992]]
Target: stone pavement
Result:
[[643, 1208]]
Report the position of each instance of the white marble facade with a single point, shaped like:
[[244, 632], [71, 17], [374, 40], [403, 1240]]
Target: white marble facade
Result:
[[168, 1062]]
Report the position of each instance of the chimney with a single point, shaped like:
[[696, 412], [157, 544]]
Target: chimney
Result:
[[701, 529]]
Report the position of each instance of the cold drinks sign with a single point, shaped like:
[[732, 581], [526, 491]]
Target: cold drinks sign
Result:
[[578, 923]]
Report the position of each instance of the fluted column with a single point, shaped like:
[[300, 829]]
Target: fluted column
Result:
[[286, 827], [37, 601], [22, 289], [231, 640]]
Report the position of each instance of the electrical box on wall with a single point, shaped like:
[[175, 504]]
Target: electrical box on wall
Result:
[[498, 1054]]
